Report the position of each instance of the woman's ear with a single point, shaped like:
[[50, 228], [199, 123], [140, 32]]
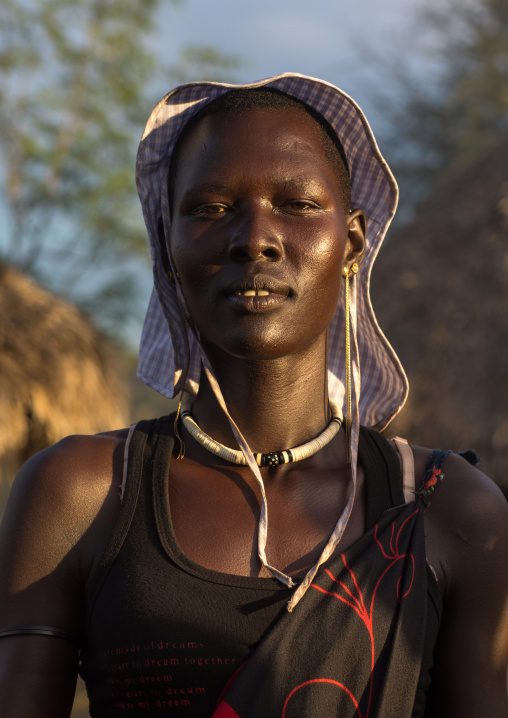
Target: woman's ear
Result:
[[357, 232]]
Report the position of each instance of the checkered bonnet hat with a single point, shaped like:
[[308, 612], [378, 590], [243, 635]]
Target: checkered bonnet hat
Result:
[[379, 382]]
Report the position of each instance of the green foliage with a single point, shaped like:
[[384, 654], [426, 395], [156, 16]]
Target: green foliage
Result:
[[443, 119], [76, 84]]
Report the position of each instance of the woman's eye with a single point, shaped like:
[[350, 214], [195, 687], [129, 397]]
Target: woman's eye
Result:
[[209, 211], [300, 206]]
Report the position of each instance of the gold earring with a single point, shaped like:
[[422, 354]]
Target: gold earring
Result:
[[353, 268]]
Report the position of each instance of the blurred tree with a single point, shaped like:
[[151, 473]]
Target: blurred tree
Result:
[[442, 119], [76, 82]]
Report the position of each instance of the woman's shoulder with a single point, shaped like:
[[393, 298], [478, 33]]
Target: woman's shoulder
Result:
[[75, 464], [65, 500], [466, 519], [465, 489]]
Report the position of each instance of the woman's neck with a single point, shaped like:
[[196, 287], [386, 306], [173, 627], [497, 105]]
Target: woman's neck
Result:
[[277, 404]]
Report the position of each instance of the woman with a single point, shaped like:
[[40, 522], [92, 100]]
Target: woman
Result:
[[150, 550]]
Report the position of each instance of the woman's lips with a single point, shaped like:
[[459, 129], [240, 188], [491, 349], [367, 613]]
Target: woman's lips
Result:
[[259, 300], [257, 293], [258, 285]]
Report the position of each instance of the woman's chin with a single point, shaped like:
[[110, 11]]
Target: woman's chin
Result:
[[256, 346]]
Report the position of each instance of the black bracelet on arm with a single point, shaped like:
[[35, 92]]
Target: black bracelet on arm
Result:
[[39, 631]]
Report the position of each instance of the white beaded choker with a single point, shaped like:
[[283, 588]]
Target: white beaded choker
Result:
[[271, 459]]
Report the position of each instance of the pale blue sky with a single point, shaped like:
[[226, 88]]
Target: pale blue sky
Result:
[[287, 35], [334, 40]]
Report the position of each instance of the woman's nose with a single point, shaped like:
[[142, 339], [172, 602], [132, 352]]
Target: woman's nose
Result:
[[255, 237]]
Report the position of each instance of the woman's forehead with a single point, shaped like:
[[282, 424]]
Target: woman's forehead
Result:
[[258, 125], [216, 136], [226, 123]]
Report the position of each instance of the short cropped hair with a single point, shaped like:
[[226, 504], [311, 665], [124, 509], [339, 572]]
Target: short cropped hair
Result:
[[267, 98]]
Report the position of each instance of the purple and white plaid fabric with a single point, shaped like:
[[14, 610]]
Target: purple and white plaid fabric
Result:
[[169, 351]]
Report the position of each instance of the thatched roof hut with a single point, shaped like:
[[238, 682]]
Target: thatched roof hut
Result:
[[440, 290], [58, 374]]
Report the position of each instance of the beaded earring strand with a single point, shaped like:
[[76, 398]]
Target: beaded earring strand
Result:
[[354, 269], [273, 458]]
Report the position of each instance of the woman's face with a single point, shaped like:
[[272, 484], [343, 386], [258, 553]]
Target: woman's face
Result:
[[259, 235]]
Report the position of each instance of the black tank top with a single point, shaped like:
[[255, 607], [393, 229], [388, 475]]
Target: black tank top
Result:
[[164, 634]]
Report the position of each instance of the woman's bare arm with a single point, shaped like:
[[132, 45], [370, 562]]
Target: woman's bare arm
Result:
[[57, 522], [467, 525]]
